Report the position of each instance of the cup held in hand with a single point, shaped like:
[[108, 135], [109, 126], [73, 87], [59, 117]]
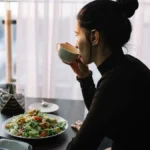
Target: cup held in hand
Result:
[[67, 52]]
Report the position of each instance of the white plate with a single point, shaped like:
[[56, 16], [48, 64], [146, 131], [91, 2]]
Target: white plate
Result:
[[50, 108], [58, 118]]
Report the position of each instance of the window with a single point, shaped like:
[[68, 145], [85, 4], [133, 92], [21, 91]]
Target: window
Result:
[[13, 7]]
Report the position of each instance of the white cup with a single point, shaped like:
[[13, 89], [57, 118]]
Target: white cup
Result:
[[67, 52]]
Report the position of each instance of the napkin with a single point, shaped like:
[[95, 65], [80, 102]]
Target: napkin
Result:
[[14, 145]]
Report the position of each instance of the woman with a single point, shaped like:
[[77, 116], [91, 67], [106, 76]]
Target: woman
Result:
[[118, 107]]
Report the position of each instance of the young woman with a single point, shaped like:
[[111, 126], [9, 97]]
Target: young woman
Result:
[[118, 107]]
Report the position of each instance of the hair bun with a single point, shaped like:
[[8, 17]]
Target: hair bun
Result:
[[128, 6]]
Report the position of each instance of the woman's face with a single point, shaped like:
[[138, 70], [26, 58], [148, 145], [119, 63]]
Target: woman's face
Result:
[[82, 43]]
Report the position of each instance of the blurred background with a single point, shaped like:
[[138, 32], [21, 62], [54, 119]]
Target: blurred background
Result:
[[36, 27]]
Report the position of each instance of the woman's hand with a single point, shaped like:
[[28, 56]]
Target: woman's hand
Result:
[[79, 68], [108, 148], [77, 125]]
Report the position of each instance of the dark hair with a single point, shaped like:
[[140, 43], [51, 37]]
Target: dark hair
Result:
[[110, 18]]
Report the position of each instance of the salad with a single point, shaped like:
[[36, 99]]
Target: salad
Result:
[[34, 124]]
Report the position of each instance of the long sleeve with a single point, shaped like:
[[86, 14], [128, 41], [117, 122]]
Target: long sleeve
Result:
[[102, 116], [119, 107], [88, 89]]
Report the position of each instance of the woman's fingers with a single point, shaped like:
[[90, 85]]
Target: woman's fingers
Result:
[[75, 68], [79, 68], [79, 122], [74, 64], [76, 127], [79, 60], [108, 148]]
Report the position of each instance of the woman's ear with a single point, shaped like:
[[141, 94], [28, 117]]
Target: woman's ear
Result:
[[95, 37]]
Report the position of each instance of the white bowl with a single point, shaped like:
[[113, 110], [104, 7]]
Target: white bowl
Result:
[[67, 52]]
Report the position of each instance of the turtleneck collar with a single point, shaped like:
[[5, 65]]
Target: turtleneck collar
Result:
[[111, 62]]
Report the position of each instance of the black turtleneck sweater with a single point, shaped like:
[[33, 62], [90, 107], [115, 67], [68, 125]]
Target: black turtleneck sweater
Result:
[[118, 107]]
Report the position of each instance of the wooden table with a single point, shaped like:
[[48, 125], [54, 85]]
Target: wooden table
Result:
[[71, 110]]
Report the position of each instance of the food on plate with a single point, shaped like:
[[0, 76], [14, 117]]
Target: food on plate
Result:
[[34, 124]]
